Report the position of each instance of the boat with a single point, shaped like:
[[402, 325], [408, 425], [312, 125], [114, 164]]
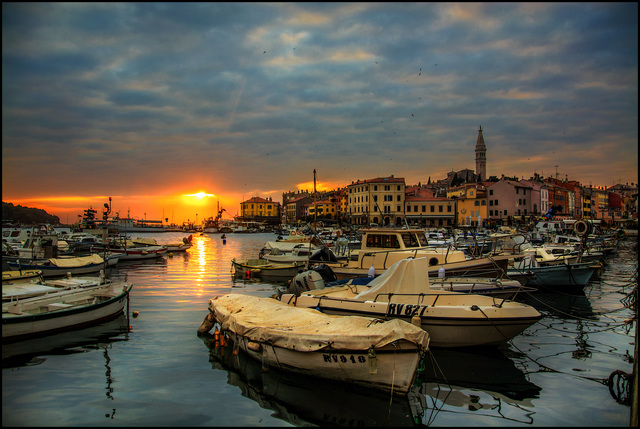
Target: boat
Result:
[[19, 289], [13, 277], [538, 267], [308, 401], [128, 225], [301, 253], [179, 246], [59, 267], [453, 319], [136, 249], [63, 310], [321, 275], [212, 225], [360, 350], [382, 247], [568, 276], [266, 269]]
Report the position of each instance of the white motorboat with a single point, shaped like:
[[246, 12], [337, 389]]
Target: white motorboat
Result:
[[382, 247], [453, 319], [360, 350]]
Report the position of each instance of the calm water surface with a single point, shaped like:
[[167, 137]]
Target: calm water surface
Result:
[[160, 373]]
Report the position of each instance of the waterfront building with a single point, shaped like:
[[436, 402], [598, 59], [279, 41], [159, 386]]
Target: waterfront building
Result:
[[471, 207], [424, 209], [295, 208], [508, 199], [323, 209], [377, 201], [257, 209]]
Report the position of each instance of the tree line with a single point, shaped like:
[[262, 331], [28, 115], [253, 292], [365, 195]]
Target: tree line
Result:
[[26, 215]]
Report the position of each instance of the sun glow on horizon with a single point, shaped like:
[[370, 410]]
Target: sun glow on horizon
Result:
[[200, 195]]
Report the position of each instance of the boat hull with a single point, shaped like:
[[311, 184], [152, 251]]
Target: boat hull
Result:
[[263, 268], [363, 351], [560, 275], [55, 271], [139, 254], [16, 327], [393, 368], [447, 325]]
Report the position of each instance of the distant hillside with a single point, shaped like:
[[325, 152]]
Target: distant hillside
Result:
[[26, 215]]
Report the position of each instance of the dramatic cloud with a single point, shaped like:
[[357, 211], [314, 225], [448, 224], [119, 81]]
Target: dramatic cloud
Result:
[[245, 99]]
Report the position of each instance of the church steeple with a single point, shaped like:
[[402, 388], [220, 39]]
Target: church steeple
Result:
[[481, 156]]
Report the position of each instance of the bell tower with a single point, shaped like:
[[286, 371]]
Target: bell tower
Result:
[[481, 157]]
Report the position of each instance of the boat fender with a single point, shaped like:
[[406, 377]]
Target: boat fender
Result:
[[415, 320], [207, 324]]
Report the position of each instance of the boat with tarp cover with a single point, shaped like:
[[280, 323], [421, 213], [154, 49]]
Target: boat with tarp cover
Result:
[[361, 350]]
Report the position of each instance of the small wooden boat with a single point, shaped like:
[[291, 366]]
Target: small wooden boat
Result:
[[139, 252], [360, 350], [40, 286], [453, 319], [12, 277], [179, 246], [63, 310], [59, 267], [266, 269]]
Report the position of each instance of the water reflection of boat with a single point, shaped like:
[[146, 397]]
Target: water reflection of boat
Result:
[[304, 401], [479, 379], [485, 368], [563, 305], [30, 352]]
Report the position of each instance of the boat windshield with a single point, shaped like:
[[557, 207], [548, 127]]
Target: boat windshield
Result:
[[411, 239]]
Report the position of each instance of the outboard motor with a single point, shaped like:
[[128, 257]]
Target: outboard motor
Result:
[[306, 281]]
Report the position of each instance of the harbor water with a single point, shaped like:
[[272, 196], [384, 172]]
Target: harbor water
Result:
[[154, 370]]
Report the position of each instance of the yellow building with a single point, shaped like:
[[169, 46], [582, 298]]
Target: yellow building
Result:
[[260, 210], [472, 203], [377, 201], [326, 209]]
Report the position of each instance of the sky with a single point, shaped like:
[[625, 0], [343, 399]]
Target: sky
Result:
[[177, 109]]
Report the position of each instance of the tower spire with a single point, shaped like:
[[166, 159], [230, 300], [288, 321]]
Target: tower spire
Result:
[[481, 156]]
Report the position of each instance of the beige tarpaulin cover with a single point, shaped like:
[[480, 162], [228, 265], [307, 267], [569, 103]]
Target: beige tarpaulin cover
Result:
[[407, 276], [305, 329], [80, 261]]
